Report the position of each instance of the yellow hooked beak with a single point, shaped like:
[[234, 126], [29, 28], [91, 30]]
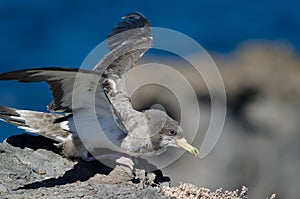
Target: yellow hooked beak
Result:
[[185, 145]]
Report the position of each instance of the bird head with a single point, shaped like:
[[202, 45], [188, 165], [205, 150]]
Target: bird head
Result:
[[167, 132]]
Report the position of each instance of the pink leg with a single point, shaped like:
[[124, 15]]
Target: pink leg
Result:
[[116, 157]]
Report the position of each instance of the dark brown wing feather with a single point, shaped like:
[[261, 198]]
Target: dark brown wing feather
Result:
[[60, 80], [128, 41]]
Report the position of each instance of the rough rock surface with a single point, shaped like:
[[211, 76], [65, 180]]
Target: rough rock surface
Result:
[[31, 167]]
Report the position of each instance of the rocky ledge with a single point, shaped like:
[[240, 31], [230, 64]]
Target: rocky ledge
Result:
[[31, 167]]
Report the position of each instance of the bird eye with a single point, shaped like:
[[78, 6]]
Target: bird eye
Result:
[[172, 132]]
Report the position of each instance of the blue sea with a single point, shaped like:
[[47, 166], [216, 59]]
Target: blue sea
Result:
[[61, 33]]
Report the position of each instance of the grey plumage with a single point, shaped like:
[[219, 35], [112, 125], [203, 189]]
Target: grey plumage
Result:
[[148, 132]]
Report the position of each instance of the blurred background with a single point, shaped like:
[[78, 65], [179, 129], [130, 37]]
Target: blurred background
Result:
[[255, 45]]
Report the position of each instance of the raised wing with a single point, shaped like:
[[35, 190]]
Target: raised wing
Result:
[[63, 82], [128, 41]]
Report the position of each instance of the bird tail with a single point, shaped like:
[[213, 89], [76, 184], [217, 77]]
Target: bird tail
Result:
[[50, 125]]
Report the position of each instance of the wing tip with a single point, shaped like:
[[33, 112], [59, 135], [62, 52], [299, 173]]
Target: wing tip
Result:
[[130, 21]]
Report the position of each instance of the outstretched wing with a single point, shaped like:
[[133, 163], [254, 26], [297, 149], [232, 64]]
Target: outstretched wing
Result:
[[128, 41], [79, 92], [63, 82]]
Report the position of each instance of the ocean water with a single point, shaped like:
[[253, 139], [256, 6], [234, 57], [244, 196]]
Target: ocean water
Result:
[[62, 33]]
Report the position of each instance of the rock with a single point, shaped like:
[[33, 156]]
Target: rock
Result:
[[28, 171], [3, 189], [31, 172]]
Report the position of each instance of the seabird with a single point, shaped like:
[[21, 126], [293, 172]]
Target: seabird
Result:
[[148, 132]]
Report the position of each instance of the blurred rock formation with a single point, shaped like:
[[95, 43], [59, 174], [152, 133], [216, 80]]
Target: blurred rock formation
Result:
[[259, 146]]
